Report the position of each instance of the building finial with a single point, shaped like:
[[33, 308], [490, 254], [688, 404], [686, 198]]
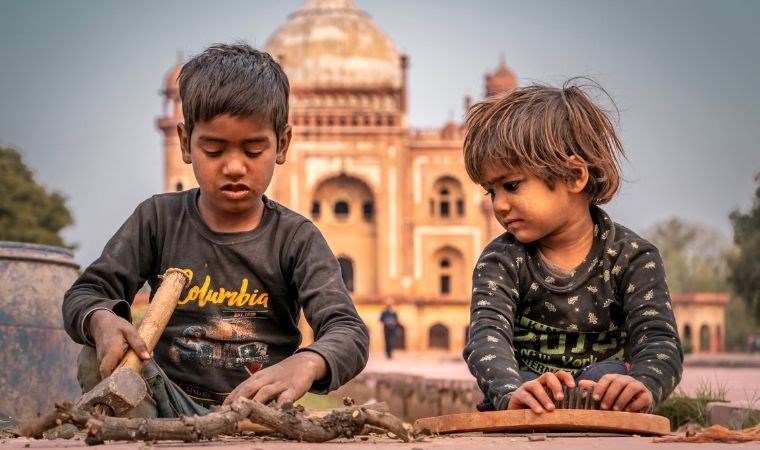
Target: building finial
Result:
[[328, 4]]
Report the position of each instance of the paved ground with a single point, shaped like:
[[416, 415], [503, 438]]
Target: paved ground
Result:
[[740, 383], [452, 442]]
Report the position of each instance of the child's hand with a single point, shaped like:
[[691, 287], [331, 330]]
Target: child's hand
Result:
[[113, 336], [532, 394], [620, 393], [286, 381]]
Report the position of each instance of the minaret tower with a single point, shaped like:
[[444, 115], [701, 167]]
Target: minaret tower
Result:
[[178, 176], [500, 80]]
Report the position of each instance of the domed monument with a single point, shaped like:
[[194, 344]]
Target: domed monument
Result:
[[394, 202], [332, 44]]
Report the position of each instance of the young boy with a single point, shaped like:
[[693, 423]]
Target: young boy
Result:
[[565, 295], [254, 263]]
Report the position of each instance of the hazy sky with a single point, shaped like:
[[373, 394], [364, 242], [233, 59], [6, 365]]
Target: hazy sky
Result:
[[80, 80]]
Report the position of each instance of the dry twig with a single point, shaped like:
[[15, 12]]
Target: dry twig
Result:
[[717, 433], [292, 422]]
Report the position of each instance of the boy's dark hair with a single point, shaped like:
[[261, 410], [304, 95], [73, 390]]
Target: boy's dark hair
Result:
[[233, 79], [538, 129]]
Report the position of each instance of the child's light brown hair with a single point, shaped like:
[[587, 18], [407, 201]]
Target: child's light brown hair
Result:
[[538, 129]]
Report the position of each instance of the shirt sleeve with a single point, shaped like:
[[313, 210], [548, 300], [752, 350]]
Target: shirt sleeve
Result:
[[655, 348], [112, 281], [489, 352], [340, 335]]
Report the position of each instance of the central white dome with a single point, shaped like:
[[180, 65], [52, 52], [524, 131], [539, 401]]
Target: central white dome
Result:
[[331, 43]]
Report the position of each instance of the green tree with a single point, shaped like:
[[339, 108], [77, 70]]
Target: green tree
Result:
[[28, 212], [695, 256], [745, 264]]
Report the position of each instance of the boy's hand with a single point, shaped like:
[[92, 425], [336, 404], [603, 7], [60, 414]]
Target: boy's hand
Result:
[[113, 336], [620, 393], [286, 381], [532, 394]]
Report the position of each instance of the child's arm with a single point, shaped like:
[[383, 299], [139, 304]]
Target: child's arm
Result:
[[490, 351], [655, 348], [341, 340], [96, 309]]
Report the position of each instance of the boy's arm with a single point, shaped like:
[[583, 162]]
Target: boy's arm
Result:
[[489, 351], [111, 282], [340, 335], [656, 355]]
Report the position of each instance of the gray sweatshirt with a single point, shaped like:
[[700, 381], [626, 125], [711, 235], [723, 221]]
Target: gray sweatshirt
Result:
[[240, 311], [614, 306]]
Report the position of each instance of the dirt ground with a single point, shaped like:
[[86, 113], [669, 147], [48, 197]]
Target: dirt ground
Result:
[[739, 383], [566, 441]]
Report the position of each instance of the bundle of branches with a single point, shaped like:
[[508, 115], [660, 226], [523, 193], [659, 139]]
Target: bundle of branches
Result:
[[292, 422], [717, 433]]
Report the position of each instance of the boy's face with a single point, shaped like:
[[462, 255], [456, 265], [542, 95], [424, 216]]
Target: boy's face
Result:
[[233, 160], [527, 207]]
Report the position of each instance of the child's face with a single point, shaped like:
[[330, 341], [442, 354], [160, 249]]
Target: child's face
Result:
[[233, 160], [528, 208]]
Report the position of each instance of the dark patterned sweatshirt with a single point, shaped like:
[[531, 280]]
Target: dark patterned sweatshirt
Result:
[[614, 306], [240, 311]]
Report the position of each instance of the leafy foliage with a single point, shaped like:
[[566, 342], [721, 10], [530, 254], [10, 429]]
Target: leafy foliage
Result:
[[739, 325], [745, 265], [695, 256], [28, 212]]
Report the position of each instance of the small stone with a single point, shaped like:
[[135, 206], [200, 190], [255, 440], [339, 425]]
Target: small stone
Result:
[[63, 431], [364, 438], [537, 437]]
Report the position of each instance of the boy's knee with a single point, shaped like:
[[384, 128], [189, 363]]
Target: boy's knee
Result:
[[88, 376], [88, 368]]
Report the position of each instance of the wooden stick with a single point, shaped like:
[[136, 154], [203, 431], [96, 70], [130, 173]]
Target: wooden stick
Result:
[[557, 420], [341, 422], [157, 316], [291, 422]]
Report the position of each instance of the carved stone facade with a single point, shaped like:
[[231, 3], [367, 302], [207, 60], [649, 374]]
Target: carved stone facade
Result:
[[394, 202], [701, 319]]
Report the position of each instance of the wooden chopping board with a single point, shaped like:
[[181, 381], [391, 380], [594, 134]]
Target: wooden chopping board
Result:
[[526, 420]]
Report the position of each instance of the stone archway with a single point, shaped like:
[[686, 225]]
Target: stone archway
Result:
[[343, 207], [399, 340], [704, 339], [446, 269], [438, 337], [447, 198], [701, 318], [688, 344]]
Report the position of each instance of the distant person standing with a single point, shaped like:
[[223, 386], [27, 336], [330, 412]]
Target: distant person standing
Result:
[[389, 318]]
